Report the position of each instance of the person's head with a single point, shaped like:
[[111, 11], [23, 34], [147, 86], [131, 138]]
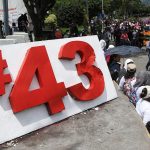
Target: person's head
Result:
[[110, 46], [102, 44], [128, 61], [131, 70], [145, 93], [116, 57]]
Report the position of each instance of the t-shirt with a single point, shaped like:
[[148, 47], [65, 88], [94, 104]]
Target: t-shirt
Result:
[[143, 109], [126, 85], [124, 36]]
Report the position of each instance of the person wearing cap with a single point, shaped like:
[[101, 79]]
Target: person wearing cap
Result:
[[143, 105], [127, 82], [123, 70], [102, 44], [108, 56]]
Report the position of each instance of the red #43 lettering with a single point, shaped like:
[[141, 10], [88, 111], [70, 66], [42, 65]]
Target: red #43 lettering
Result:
[[50, 92], [86, 67], [4, 78]]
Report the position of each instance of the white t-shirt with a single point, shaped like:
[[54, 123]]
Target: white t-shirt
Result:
[[143, 109], [122, 81]]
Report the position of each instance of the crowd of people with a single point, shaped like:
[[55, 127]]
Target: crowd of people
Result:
[[121, 32], [135, 85]]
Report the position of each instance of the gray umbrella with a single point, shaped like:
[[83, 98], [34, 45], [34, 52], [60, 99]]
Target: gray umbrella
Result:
[[124, 50]]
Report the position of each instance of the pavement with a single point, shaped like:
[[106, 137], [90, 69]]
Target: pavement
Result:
[[111, 126]]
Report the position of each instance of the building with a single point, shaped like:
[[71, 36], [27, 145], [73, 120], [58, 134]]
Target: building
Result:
[[15, 7]]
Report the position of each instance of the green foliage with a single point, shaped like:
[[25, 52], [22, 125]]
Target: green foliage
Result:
[[68, 12], [51, 21], [81, 11], [94, 8]]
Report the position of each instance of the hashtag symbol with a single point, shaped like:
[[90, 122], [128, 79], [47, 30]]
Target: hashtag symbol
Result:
[[4, 78]]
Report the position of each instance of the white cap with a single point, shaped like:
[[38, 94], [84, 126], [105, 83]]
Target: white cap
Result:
[[131, 67], [102, 44], [127, 62], [111, 46]]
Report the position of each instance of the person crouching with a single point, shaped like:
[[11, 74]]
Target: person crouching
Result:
[[127, 82], [143, 106]]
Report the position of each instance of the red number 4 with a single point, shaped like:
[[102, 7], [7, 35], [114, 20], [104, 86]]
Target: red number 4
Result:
[[50, 92]]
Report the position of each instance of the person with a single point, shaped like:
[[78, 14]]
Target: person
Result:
[[22, 23], [142, 79], [103, 44], [114, 66], [58, 34], [127, 81], [124, 38], [14, 28], [108, 56], [1, 31], [66, 34], [74, 32], [148, 49], [123, 70], [135, 37], [143, 105], [106, 37], [117, 34]]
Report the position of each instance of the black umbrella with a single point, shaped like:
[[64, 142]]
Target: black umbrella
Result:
[[124, 50]]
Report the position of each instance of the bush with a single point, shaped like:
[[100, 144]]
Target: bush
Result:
[[51, 21]]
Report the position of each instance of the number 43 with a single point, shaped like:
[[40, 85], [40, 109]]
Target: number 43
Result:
[[50, 92]]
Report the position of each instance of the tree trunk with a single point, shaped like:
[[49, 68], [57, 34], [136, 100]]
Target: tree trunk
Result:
[[37, 10], [38, 33], [37, 22]]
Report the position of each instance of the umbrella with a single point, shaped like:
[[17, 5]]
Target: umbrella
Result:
[[124, 50]]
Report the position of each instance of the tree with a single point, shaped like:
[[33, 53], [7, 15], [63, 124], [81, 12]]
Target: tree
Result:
[[127, 8], [68, 12], [37, 10]]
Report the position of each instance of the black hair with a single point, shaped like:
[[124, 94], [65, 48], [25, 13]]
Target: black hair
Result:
[[130, 73], [144, 93], [148, 126], [112, 58]]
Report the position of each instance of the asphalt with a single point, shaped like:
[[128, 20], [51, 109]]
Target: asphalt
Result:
[[111, 126]]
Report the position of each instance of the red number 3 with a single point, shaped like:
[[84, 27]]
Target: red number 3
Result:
[[87, 68]]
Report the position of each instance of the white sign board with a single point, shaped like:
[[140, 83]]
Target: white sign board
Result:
[[18, 124]]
